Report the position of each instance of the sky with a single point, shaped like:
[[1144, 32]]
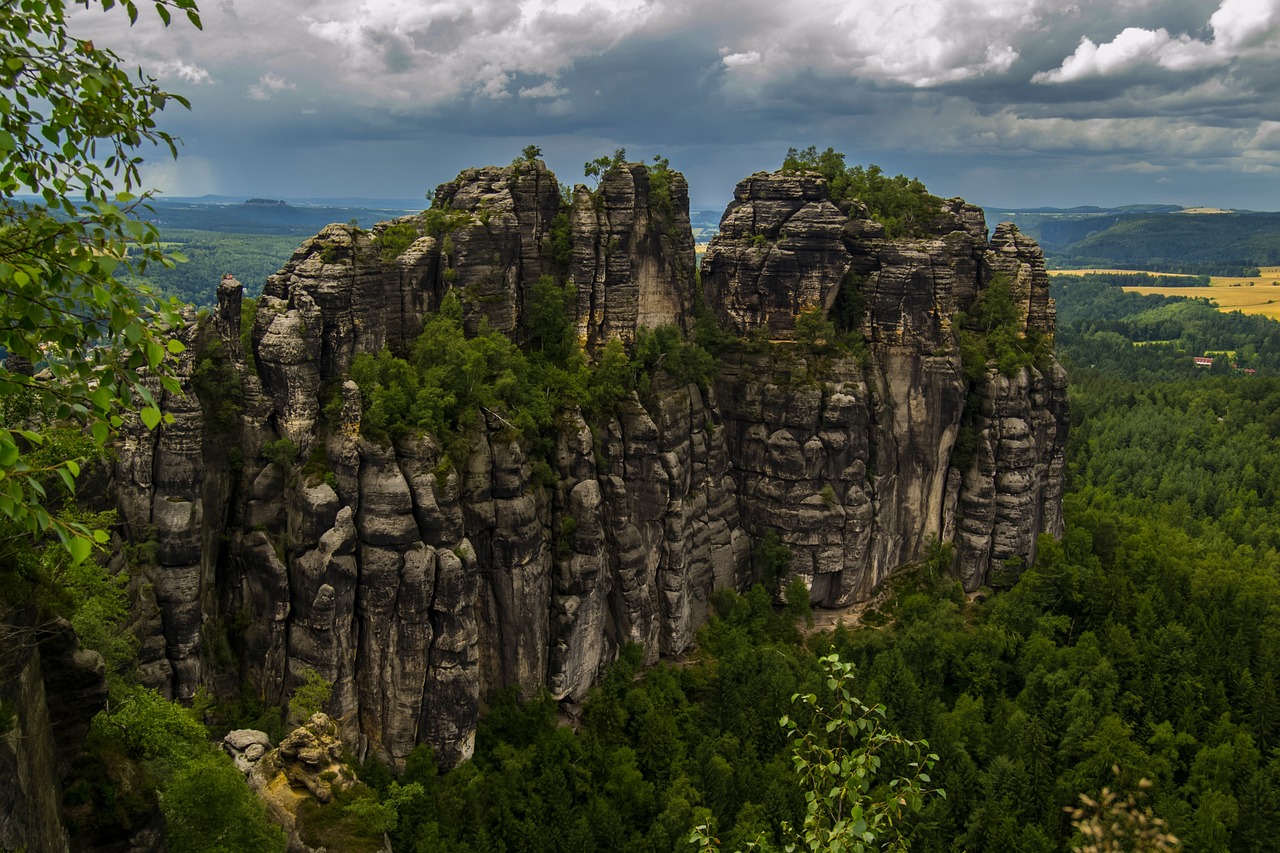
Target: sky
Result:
[[1007, 103]]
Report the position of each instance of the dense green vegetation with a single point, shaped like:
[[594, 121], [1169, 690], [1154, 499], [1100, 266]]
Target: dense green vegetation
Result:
[[1205, 244], [250, 257], [991, 332], [448, 378], [1148, 638], [901, 204], [1155, 337], [1142, 279]]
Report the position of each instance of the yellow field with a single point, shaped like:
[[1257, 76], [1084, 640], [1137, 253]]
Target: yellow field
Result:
[[1259, 295]]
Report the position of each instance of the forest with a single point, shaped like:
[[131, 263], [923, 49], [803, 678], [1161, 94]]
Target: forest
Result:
[[1228, 243], [1146, 639], [1137, 656], [1152, 337]]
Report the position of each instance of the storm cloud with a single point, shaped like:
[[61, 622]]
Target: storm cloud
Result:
[[1007, 102]]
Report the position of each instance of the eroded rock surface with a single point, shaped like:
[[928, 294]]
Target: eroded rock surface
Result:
[[418, 583], [848, 460]]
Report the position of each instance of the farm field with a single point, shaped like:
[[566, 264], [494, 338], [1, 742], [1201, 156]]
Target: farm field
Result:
[[1259, 295]]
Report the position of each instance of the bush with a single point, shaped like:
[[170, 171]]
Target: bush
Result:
[[394, 239], [208, 807], [991, 331], [217, 386], [282, 452], [901, 204], [310, 697], [248, 315]]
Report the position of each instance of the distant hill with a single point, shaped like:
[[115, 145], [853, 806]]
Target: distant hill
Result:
[[705, 224], [266, 216], [1163, 238]]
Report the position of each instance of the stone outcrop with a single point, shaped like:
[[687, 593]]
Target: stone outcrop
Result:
[[418, 583], [633, 253], [308, 764], [50, 689], [850, 460]]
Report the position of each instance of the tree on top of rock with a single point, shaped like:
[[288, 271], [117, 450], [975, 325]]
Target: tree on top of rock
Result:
[[901, 204]]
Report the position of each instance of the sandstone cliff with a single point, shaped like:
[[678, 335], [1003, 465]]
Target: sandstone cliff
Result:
[[877, 434], [50, 688], [418, 583]]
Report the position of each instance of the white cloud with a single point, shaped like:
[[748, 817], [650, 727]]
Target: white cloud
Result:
[[739, 60], [269, 84], [1240, 28], [399, 51], [1267, 137], [409, 50], [549, 89], [922, 43], [184, 71]]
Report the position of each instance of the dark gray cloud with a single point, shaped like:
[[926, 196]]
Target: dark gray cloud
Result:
[[1014, 102]]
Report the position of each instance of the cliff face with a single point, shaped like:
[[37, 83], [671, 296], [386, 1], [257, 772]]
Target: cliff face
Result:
[[852, 462], [50, 688], [418, 586]]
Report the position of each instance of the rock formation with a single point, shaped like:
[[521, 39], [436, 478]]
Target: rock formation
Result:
[[851, 462], [417, 584], [50, 688], [309, 764]]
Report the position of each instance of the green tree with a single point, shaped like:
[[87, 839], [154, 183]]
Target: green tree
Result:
[[839, 756], [78, 342], [901, 204], [604, 164], [310, 697], [209, 809]]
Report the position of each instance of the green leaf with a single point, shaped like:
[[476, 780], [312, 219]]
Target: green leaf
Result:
[[100, 431], [80, 549], [150, 417]]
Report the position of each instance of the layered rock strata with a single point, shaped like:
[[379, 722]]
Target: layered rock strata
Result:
[[417, 585], [850, 460], [50, 689]]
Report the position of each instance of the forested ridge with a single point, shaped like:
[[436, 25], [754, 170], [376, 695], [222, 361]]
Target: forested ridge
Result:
[[1146, 639], [1229, 243]]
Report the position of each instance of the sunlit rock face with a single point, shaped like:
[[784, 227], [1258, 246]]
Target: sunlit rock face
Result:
[[418, 582]]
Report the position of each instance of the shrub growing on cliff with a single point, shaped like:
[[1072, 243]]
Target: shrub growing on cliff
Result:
[[446, 380], [310, 697], [217, 386], [991, 330], [666, 348], [901, 204], [394, 239], [282, 452]]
